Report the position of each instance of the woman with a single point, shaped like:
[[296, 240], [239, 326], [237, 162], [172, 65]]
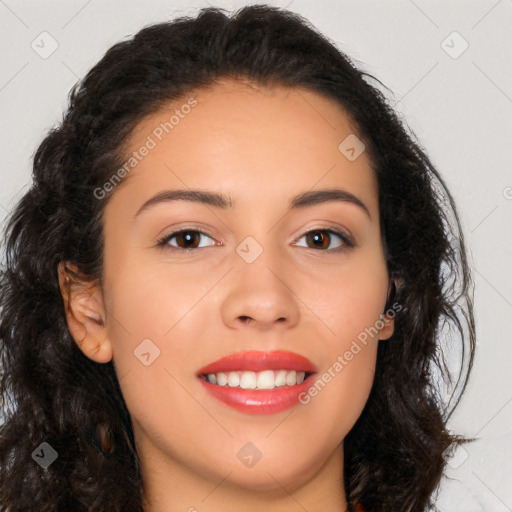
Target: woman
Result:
[[228, 284]]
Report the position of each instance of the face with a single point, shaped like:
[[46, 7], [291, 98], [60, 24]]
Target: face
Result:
[[278, 269]]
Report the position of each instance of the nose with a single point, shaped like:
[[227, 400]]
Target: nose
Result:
[[260, 296]]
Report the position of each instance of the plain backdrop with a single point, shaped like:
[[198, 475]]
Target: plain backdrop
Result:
[[448, 64]]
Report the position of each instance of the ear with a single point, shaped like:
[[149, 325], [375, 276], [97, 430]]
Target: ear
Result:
[[387, 330], [85, 313], [388, 318]]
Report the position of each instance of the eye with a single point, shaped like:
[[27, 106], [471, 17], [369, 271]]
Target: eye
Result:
[[186, 239], [321, 238]]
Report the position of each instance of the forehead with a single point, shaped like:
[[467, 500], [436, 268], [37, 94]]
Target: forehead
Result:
[[252, 140]]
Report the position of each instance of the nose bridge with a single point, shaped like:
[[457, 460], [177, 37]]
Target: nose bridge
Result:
[[259, 288], [262, 265]]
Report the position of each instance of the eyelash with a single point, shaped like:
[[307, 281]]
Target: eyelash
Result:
[[347, 242]]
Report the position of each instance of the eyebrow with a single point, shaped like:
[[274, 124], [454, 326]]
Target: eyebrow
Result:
[[218, 200]]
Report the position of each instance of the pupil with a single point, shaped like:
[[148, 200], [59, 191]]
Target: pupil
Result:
[[317, 237], [188, 237]]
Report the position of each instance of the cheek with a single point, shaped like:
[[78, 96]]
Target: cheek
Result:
[[346, 306], [152, 328], [346, 300], [338, 394], [151, 302]]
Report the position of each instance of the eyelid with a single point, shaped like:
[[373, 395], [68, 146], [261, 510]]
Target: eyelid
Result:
[[329, 226]]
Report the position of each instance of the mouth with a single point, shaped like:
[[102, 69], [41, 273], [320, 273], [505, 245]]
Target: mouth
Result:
[[256, 382]]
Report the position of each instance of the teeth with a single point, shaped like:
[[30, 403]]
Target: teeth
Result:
[[212, 378], [222, 379], [233, 380], [280, 378], [291, 378], [248, 380], [266, 379]]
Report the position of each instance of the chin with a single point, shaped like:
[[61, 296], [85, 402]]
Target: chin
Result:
[[271, 477]]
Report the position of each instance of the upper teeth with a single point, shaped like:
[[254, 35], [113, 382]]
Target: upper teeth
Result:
[[266, 379]]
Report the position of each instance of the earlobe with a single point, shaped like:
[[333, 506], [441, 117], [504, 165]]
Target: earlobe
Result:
[[387, 320], [85, 313], [388, 328]]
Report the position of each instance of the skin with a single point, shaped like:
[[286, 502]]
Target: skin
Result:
[[262, 146]]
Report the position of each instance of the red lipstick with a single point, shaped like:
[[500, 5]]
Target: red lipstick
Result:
[[258, 401], [258, 361]]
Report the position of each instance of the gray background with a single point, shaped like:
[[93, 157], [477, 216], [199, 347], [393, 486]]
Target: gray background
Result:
[[457, 103]]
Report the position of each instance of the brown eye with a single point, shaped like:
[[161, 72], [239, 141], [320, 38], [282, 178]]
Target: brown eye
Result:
[[185, 239], [323, 238], [320, 239], [189, 239]]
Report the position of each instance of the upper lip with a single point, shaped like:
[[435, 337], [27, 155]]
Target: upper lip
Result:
[[258, 361]]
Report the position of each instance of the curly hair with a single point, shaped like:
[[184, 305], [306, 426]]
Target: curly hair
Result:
[[51, 392]]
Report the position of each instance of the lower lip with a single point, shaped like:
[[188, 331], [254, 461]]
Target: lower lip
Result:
[[262, 401]]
